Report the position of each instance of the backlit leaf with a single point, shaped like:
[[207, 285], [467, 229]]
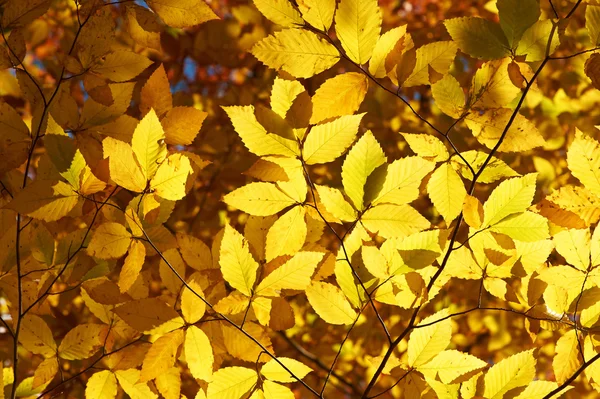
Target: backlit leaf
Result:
[[231, 383], [237, 264], [275, 371], [330, 304], [298, 52], [329, 140]]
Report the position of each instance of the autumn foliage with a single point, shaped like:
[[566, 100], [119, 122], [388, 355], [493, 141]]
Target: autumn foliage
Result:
[[299, 198]]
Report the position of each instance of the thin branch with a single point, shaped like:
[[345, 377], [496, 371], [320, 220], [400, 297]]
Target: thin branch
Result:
[[314, 358], [572, 377], [396, 93], [573, 9], [393, 385], [225, 318], [337, 355], [575, 54], [89, 367], [411, 323], [553, 9], [10, 331], [346, 257]]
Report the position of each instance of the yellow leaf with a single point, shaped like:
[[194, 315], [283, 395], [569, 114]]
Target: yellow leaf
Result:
[[595, 247], [534, 42], [14, 141], [449, 96], [427, 146], [110, 240], [198, 353], [592, 23], [182, 124], [384, 46], [182, 13], [283, 94], [375, 262], [259, 199], [169, 383], [82, 341], [510, 197], [447, 192], [88, 183], [478, 37], [567, 359], [295, 186], [574, 246], [122, 65], [511, 372], [444, 391], [433, 57], [144, 27], [295, 274], [194, 251], [274, 371], [496, 169], [161, 355], [280, 12], [192, 307], [318, 13], [401, 181], [583, 158], [36, 336], [132, 266], [273, 390], [21, 13], [156, 93], [420, 249], [44, 373], [335, 203], [492, 86], [235, 302], [357, 26], [488, 127], [328, 141], [297, 51], [101, 385], [240, 346], [532, 255], [231, 383], [451, 364], [125, 170], [473, 211], [128, 379], [287, 235], [150, 316], [148, 144], [254, 135], [363, 158], [540, 389], [45, 200], [25, 388], [340, 95], [237, 264], [527, 226], [394, 220], [330, 304], [171, 176], [94, 113], [428, 341]]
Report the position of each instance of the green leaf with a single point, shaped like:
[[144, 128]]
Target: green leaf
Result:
[[478, 37]]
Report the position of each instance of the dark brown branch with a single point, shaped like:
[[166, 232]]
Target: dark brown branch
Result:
[[313, 358]]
